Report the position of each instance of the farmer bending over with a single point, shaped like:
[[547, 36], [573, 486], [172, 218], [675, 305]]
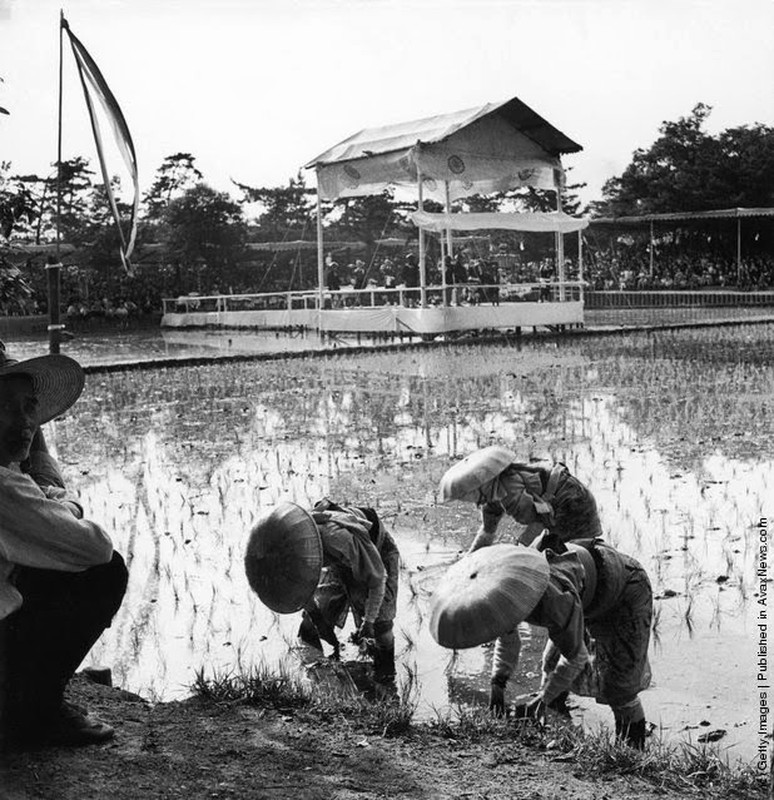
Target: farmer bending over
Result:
[[538, 495], [589, 586], [361, 565], [60, 581]]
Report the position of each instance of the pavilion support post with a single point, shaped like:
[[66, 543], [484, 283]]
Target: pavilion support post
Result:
[[738, 252], [580, 264], [422, 270], [320, 256], [449, 243], [559, 239], [652, 258]]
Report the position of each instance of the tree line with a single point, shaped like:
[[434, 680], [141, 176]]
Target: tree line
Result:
[[192, 237]]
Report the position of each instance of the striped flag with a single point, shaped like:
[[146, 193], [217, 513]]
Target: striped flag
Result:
[[95, 86]]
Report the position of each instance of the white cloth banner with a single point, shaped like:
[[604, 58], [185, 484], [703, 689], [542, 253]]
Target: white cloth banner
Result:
[[474, 153], [536, 222]]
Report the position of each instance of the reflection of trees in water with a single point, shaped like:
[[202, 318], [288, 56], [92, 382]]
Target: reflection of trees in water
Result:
[[303, 427], [692, 406], [386, 408]]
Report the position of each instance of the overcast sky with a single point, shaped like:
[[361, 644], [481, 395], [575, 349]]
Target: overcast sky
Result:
[[256, 88]]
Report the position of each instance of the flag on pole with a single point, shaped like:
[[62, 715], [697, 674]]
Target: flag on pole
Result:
[[95, 86]]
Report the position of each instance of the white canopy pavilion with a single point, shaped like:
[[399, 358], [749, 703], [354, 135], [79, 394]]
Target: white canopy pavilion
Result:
[[491, 148]]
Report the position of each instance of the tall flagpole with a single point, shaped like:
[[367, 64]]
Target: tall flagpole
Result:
[[53, 269]]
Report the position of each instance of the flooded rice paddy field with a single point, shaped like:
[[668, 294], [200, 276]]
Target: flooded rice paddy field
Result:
[[119, 346], [672, 431]]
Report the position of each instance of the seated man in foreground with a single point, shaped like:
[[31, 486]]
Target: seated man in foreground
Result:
[[61, 583]]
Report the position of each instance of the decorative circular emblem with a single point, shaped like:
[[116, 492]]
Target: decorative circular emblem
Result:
[[467, 185], [407, 166], [456, 165], [430, 184], [353, 175], [526, 174]]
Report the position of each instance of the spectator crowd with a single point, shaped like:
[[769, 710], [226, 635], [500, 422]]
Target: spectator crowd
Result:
[[472, 276]]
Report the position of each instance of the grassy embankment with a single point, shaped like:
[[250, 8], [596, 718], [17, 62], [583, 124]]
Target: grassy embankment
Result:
[[691, 769]]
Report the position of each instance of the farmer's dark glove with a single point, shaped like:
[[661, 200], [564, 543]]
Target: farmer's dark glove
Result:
[[497, 696], [559, 704], [534, 709], [364, 632]]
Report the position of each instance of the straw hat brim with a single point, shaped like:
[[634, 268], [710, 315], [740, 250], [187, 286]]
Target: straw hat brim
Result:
[[463, 480], [57, 381], [487, 594], [284, 558]]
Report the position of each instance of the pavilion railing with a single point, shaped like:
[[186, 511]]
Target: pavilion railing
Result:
[[644, 298], [631, 308], [375, 296]]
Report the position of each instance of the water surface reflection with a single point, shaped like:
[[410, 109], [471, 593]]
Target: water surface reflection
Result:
[[670, 432]]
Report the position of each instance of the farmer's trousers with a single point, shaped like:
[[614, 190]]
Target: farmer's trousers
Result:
[[44, 641]]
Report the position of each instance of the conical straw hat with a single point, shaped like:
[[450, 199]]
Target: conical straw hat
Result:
[[466, 477], [284, 558], [486, 594], [57, 381]]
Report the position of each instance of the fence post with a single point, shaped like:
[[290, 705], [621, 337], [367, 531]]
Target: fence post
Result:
[[53, 268]]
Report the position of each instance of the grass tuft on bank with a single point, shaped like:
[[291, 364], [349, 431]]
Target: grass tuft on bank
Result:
[[682, 767], [284, 691], [695, 770]]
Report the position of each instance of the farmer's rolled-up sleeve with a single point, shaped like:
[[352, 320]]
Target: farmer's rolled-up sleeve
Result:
[[362, 559], [491, 514], [562, 677], [390, 557], [43, 469], [39, 528], [561, 612], [506, 657]]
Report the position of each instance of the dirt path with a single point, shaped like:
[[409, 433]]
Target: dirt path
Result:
[[197, 749]]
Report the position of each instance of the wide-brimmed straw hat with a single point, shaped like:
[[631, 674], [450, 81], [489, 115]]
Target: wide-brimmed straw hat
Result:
[[56, 380], [466, 477], [487, 594], [284, 558]]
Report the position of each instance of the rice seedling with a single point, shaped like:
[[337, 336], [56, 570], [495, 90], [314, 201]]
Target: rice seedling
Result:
[[688, 615], [716, 618], [655, 630], [409, 639]]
